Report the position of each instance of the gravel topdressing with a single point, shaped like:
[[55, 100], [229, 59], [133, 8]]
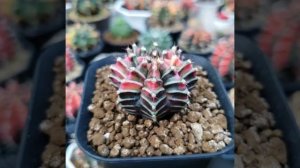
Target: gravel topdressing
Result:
[[114, 133]]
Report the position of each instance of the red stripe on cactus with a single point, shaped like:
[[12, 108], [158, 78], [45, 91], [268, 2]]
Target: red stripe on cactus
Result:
[[152, 84], [130, 85]]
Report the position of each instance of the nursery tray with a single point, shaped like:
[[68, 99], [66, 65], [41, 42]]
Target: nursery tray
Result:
[[274, 95], [33, 140], [180, 161]]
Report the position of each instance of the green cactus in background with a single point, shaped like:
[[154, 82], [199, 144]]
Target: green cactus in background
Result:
[[166, 13], [82, 37], [119, 28], [162, 38], [88, 7], [33, 13]]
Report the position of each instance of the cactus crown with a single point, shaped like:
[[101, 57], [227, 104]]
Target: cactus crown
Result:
[[119, 28], [153, 83], [82, 37], [137, 4], [166, 13], [161, 37], [196, 40], [88, 7]]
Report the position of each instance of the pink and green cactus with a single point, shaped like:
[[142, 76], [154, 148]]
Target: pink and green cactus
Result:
[[73, 99], [223, 57], [153, 83]]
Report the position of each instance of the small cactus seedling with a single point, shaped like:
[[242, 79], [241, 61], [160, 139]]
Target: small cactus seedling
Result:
[[194, 40], [161, 37], [137, 4], [223, 57], [88, 7], [166, 13], [153, 83], [120, 29], [82, 37]]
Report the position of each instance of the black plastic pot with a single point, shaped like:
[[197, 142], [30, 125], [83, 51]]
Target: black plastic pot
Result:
[[194, 160], [101, 25], [40, 34], [175, 35], [274, 95], [87, 56], [110, 48], [33, 140], [205, 55]]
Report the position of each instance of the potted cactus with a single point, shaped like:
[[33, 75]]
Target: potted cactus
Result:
[[167, 15], [38, 20], [137, 4], [189, 7], [14, 58], [223, 59], [84, 41], [146, 109], [135, 12], [90, 11], [119, 35], [196, 41], [224, 23], [161, 37], [74, 68]]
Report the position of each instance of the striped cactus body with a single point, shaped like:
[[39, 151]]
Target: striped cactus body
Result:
[[153, 83]]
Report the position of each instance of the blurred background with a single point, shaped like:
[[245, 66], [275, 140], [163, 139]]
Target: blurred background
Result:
[[35, 77]]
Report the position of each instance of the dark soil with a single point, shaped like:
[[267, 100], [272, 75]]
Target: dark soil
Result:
[[114, 133]]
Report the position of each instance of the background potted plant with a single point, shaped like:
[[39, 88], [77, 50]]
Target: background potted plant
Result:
[[32, 19], [84, 41], [74, 68], [167, 15], [196, 41], [223, 60], [50, 103], [90, 11], [161, 37], [224, 23], [135, 12], [119, 35], [131, 125], [15, 54]]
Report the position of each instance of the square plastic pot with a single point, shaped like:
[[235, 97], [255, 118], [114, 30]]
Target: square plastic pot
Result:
[[135, 18], [274, 95], [193, 160], [33, 140]]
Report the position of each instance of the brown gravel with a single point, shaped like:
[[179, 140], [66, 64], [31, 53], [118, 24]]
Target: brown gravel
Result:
[[258, 143], [201, 129], [54, 153]]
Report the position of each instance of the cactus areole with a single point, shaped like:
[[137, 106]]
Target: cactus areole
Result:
[[153, 83]]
